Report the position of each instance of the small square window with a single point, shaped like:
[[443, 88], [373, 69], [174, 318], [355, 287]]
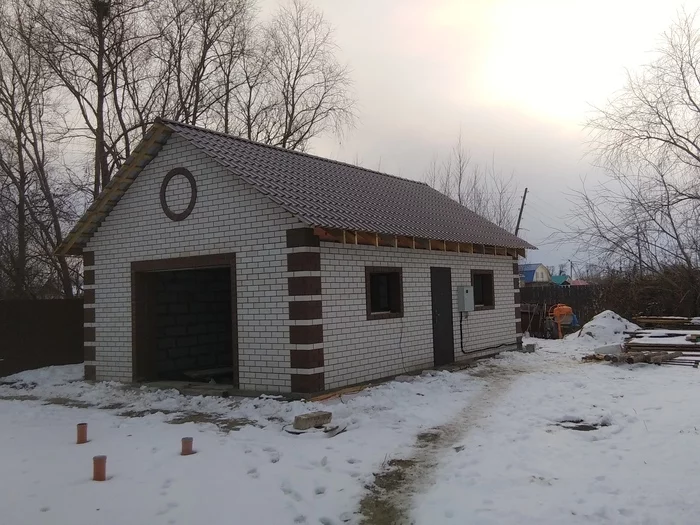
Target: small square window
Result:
[[384, 289], [482, 281]]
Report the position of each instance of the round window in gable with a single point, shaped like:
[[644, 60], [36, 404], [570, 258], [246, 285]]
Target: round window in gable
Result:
[[178, 194]]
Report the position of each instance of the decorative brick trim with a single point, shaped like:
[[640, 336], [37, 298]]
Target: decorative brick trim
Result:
[[89, 277], [306, 334], [89, 353], [306, 358], [89, 334], [302, 237], [88, 258], [303, 310], [90, 372], [88, 315], [516, 297], [304, 285], [516, 283], [516, 269], [518, 327], [89, 296], [304, 262], [306, 366], [517, 312], [307, 384], [193, 194]]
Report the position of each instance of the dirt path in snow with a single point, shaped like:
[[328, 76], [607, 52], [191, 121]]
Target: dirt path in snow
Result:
[[389, 500]]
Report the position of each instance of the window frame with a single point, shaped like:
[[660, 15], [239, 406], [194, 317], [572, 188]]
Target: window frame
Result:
[[373, 270], [490, 273]]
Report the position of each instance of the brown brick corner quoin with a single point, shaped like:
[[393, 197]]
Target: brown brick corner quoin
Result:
[[516, 300], [303, 309]]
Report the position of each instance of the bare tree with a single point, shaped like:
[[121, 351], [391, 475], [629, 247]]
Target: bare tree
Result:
[[201, 44], [91, 46], [31, 200], [483, 189], [310, 87], [644, 219]]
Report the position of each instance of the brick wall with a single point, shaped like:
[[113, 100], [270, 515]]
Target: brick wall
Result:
[[357, 349], [229, 216]]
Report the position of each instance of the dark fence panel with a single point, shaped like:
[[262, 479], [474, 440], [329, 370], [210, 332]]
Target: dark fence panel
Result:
[[586, 302], [37, 333]]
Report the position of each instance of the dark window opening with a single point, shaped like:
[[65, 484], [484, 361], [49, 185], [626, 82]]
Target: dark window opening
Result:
[[482, 281], [384, 292]]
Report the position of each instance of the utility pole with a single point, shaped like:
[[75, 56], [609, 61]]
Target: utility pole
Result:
[[639, 253], [520, 215]]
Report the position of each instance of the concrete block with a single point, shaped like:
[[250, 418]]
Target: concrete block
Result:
[[312, 420]]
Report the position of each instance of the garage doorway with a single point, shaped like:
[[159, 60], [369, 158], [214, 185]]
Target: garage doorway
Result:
[[184, 320]]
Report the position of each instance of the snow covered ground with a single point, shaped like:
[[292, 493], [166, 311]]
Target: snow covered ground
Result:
[[504, 456]]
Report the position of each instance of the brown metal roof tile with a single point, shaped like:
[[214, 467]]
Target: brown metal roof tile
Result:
[[330, 194]]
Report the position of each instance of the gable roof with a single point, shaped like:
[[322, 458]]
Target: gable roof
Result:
[[531, 267], [560, 279], [527, 271], [319, 192]]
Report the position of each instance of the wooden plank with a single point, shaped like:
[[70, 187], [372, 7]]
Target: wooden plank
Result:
[[404, 242], [421, 244], [350, 237], [437, 245], [452, 246], [198, 374], [329, 235], [365, 238], [386, 240]]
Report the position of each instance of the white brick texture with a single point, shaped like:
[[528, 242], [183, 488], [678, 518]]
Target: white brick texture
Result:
[[357, 349], [229, 216]]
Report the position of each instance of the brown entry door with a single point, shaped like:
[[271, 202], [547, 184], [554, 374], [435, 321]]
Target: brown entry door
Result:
[[443, 335]]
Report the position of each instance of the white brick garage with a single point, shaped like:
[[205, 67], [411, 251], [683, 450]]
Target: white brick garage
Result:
[[357, 349], [302, 238]]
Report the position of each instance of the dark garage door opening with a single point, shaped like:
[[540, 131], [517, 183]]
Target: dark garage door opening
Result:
[[184, 319], [193, 325]]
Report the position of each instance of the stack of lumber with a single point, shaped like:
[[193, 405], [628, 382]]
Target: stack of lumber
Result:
[[655, 345], [667, 322], [644, 357]]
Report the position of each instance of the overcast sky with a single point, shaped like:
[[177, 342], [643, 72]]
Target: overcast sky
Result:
[[517, 76]]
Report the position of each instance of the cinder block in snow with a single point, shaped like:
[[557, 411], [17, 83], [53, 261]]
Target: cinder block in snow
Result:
[[312, 420]]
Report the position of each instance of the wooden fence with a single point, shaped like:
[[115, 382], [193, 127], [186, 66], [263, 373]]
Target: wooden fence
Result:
[[38, 333]]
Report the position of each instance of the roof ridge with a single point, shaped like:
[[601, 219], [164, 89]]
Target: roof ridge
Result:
[[279, 148]]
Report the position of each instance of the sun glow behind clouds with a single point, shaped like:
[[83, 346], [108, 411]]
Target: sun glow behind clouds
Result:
[[551, 58]]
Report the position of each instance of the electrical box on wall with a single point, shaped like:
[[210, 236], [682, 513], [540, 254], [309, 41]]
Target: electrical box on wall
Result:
[[465, 298]]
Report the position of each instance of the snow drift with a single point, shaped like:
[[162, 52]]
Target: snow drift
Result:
[[606, 328]]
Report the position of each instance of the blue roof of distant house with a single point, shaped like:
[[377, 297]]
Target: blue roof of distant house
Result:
[[527, 271]]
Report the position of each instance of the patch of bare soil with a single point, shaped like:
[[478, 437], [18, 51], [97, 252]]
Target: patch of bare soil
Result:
[[388, 499], [224, 424]]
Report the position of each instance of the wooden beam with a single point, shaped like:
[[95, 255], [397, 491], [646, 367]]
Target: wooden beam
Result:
[[329, 235], [422, 244], [349, 237], [369, 239], [437, 245], [404, 242], [386, 240]]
